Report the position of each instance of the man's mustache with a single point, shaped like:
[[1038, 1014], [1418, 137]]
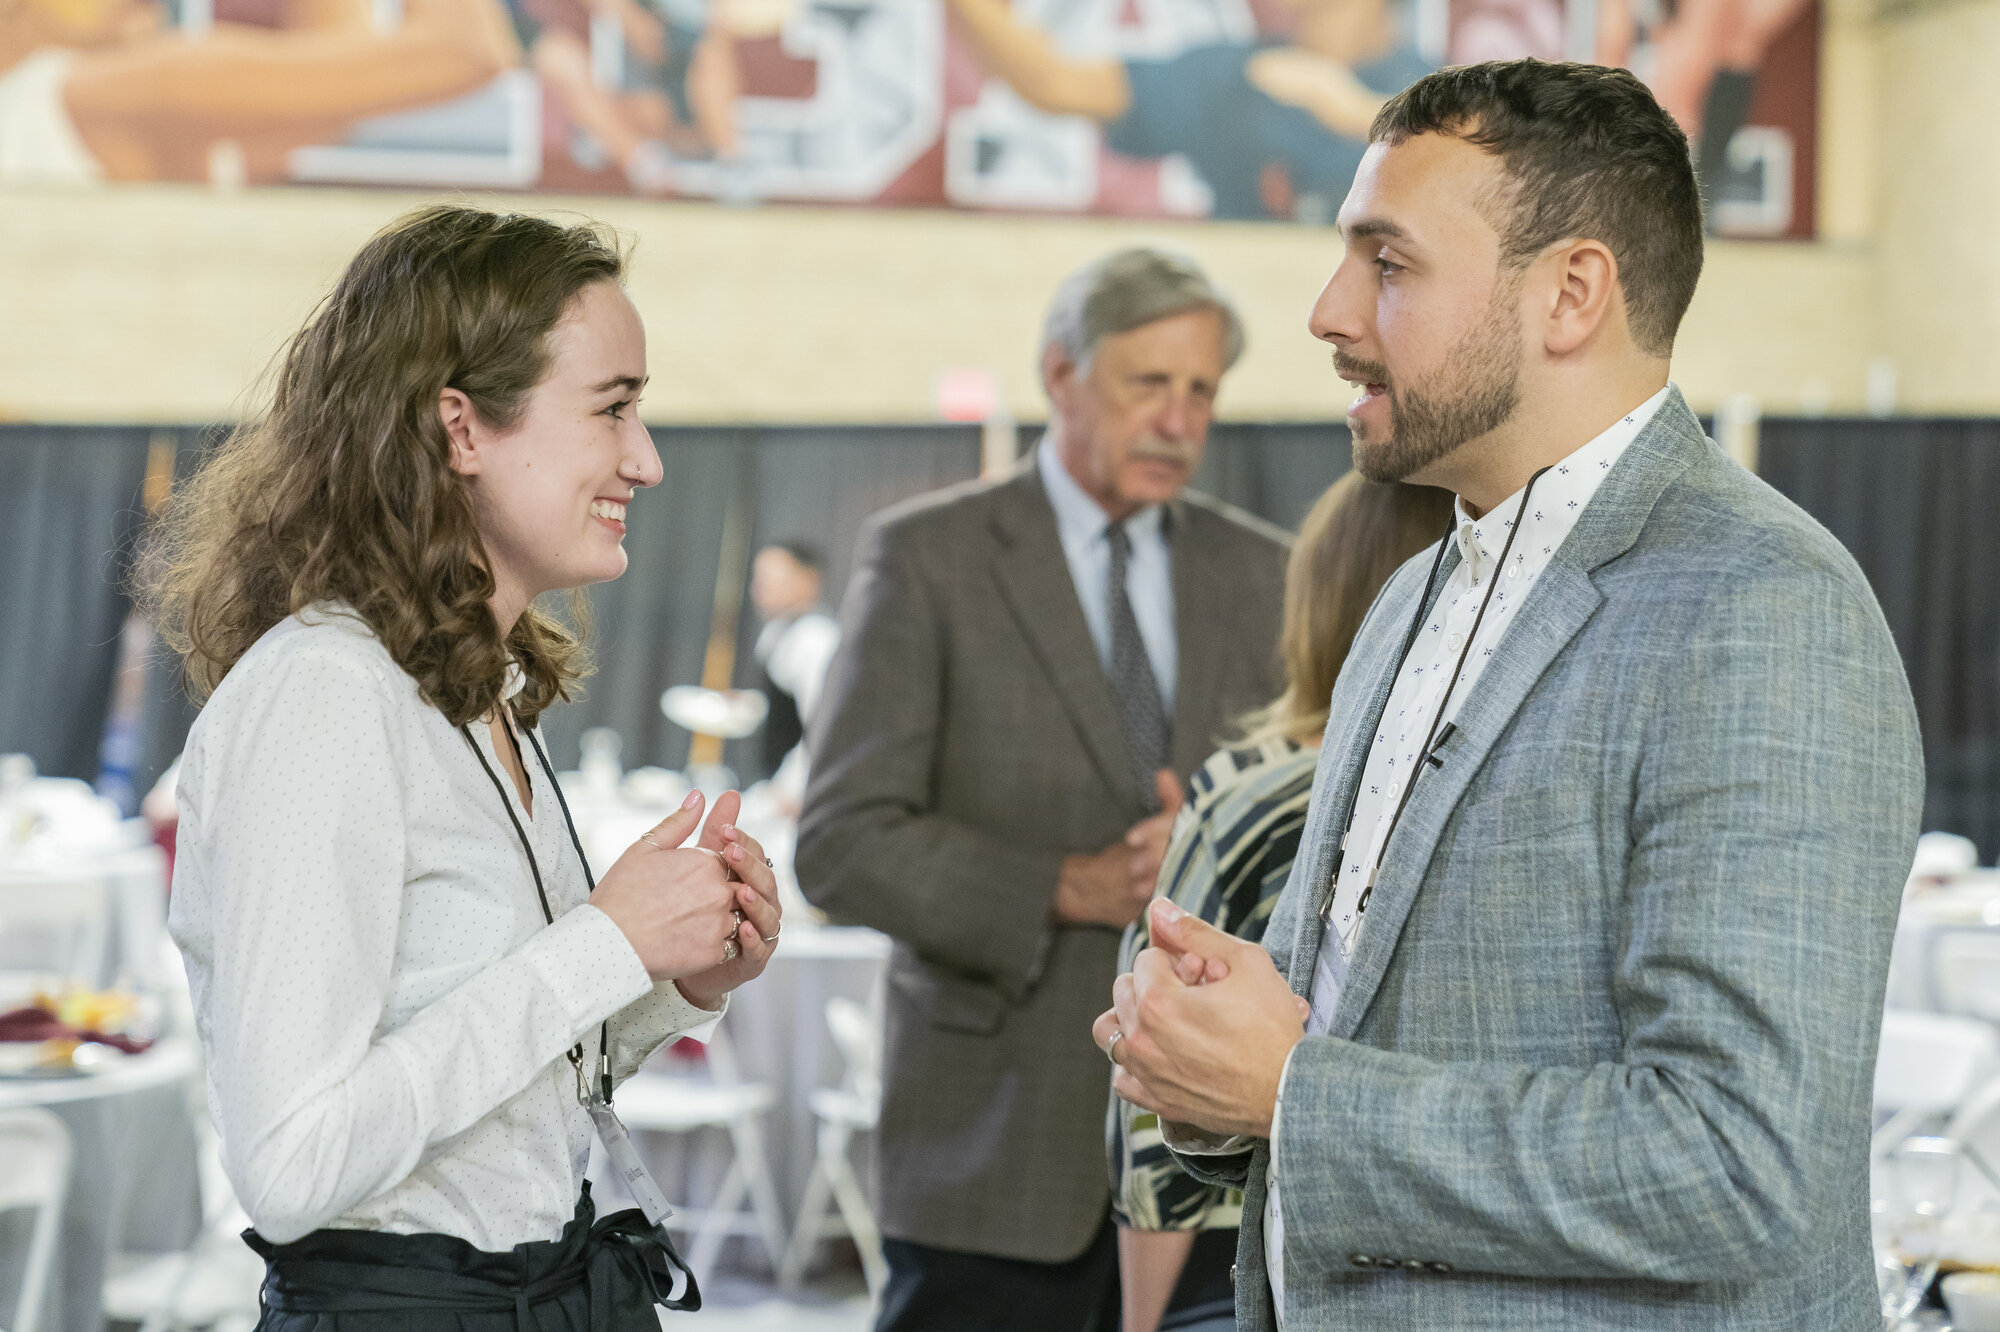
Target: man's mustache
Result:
[[1164, 450], [1360, 372]]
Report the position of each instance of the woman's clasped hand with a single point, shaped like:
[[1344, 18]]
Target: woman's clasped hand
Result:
[[704, 916]]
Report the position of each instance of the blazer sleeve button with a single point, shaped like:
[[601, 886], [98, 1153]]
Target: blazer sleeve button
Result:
[[1413, 1265], [1360, 1260], [1232, 1276], [1443, 1269]]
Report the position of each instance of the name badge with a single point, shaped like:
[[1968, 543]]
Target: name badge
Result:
[[625, 1160]]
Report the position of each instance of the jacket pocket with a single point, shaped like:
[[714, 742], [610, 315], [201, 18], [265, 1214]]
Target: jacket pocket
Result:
[[951, 1003]]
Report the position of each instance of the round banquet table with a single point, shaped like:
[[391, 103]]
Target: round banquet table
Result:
[[132, 1174], [135, 883]]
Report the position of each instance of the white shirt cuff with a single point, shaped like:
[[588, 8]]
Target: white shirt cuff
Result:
[[1278, 1109], [1191, 1141], [586, 960]]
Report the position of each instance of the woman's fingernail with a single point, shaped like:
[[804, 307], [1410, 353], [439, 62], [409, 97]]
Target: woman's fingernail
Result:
[[1173, 912], [694, 798], [736, 853]]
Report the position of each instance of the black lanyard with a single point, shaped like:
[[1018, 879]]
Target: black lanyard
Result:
[[590, 882], [1427, 752]]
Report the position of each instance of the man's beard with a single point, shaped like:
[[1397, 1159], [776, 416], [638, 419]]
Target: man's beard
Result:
[[1474, 393]]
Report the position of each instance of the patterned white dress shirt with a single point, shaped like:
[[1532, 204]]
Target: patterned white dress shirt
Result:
[[384, 1010], [1558, 500]]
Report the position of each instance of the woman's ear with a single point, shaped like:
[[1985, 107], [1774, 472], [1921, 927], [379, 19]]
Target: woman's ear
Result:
[[461, 431]]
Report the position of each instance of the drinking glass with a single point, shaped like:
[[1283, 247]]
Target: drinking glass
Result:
[[1908, 1223], [1906, 1259]]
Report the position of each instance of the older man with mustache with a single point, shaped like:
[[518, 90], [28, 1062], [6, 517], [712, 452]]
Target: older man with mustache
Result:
[[1030, 666]]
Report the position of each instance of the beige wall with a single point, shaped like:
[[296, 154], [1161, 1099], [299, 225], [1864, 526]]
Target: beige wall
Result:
[[163, 304], [1938, 282]]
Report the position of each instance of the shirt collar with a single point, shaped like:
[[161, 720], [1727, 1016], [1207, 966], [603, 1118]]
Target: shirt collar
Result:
[[1080, 520], [1560, 496]]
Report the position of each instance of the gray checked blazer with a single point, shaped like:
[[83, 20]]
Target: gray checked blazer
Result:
[[966, 742], [1604, 1055]]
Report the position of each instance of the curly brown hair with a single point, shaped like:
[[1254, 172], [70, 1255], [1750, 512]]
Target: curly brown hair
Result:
[[344, 491]]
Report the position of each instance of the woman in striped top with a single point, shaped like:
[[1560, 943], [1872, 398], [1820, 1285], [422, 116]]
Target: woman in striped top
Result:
[[1231, 852]]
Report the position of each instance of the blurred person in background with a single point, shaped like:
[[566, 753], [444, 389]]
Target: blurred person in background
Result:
[[793, 652], [1030, 667], [94, 90], [412, 1003], [1230, 855], [1566, 1016]]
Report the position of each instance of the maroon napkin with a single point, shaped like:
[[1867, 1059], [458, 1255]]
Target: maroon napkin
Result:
[[38, 1024]]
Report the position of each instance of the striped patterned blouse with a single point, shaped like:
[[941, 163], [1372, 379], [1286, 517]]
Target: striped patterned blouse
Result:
[[1231, 853]]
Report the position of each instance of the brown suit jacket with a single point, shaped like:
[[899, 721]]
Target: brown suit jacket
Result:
[[966, 742]]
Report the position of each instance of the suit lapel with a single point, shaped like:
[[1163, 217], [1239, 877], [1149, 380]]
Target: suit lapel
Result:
[[1371, 672], [1035, 582], [1202, 606], [1562, 602]]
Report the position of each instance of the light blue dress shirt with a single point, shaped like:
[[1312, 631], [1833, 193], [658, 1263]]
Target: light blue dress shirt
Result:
[[1149, 573]]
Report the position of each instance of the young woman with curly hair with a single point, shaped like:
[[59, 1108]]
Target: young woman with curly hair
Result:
[[404, 983]]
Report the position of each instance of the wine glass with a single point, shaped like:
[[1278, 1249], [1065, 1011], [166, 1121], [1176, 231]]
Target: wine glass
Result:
[[1908, 1223], [1905, 1260]]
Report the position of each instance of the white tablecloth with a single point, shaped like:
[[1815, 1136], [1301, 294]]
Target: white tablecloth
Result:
[[777, 1031], [132, 1181], [135, 884]]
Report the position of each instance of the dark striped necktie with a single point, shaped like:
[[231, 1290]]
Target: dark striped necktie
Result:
[[1141, 714]]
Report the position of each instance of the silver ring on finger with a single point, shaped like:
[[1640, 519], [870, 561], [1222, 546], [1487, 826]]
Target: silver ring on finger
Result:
[[729, 949], [1111, 1046]]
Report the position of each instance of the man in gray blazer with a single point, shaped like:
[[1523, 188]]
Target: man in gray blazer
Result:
[[1571, 1003], [1030, 667]]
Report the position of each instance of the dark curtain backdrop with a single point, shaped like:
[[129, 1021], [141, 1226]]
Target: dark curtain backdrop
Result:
[[1915, 501], [70, 506], [652, 625], [1912, 499]]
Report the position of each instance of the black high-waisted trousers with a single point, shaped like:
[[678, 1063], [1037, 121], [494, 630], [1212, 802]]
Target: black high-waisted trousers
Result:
[[601, 1276]]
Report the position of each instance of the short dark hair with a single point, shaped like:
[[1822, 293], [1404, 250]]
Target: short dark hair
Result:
[[1591, 154], [802, 552]]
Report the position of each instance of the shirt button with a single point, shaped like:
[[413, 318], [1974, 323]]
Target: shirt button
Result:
[[1395, 789], [1513, 571], [1360, 1260], [1456, 641]]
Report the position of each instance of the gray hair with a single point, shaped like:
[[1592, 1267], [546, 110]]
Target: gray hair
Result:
[[1129, 289]]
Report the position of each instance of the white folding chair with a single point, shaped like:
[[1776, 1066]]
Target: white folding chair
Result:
[[853, 1107], [1926, 1067], [1962, 971], [34, 1172], [671, 1103]]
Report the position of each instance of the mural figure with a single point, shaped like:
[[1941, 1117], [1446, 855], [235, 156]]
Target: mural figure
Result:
[[95, 90], [1272, 129]]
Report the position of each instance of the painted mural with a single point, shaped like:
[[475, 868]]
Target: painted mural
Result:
[[1226, 109]]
